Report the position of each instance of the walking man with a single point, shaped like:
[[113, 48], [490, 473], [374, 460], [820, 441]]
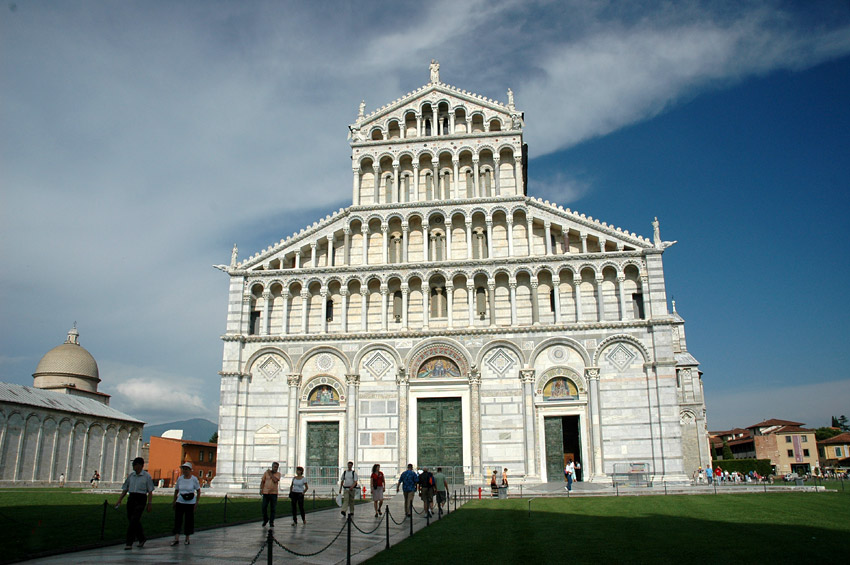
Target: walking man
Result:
[[442, 486], [268, 488], [426, 489], [570, 472], [408, 481], [139, 485], [348, 481]]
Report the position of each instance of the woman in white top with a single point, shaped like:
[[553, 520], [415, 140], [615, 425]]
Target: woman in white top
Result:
[[187, 491], [297, 488]]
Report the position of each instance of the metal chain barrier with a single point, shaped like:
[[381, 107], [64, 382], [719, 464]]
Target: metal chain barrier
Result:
[[262, 547], [356, 527], [393, 519], [283, 547]]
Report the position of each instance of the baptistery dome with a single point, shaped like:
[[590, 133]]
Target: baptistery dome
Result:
[[67, 365]]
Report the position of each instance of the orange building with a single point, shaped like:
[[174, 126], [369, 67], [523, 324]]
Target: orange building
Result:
[[167, 454]]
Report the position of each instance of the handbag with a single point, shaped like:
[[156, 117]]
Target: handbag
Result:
[[187, 495]]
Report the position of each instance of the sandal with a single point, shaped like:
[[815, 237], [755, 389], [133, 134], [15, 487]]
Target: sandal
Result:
[[175, 542], [187, 542]]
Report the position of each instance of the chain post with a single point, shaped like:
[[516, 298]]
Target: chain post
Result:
[[270, 544], [103, 520], [348, 545], [388, 517], [225, 508], [411, 519]]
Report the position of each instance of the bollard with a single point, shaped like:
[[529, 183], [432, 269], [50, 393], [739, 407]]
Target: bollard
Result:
[[314, 500], [520, 490], [225, 508], [411, 519], [665, 488], [103, 520], [269, 544], [387, 516], [348, 545], [479, 493]]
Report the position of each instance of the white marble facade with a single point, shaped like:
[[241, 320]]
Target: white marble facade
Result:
[[513, 291]]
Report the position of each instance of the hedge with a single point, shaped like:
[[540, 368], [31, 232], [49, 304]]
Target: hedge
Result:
[[761, 466]]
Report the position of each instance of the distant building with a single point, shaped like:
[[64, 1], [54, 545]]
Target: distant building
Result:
[[63, 425], [167, 454], [834, 453], [789, 446]]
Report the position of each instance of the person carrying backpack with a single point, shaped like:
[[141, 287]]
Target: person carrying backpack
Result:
[[348, 481], [426, 489]]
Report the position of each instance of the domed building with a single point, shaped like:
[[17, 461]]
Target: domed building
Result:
[[62, 426]]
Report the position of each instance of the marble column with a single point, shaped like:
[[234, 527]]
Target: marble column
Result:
[[491, 297], [475, 181], [294, 382], [364, 314], [426, 304], [600, 300], [324, 295], [450, 297], [496, 175], [468, 240], [621, 281], [330, 239], [246, 314], [266, 322], [547, 227], [518, 173], [529, 223], [489, 223], [513, 303], [376, 169], [470, 300], [405, 290], [448, 239], [510, 222], [284, 323], [305, 303], [297, 258], [577, 285], [364, 231], [353, 382], [403, 441], [584, 243], [396, 186], [384, 292], [313, 255], [535, 306], [415, 183], [343, 292], [597, 472], [556, 295], [404, 239], [456, 178], [346, 246], [526, 376], [385, 228], [475, 417], [425, 236], [355, 198]]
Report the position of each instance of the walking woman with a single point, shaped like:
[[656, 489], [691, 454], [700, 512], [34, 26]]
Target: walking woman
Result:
[[297, 488], [187, 491], [377, 489]]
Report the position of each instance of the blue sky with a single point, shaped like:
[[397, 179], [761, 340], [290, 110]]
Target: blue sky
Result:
[[139, 140]]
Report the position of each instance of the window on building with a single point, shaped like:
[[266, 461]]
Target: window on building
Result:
[[787, 439], [329, 310], [209, 474], [201, 456], [551, 299], [254, 325], [637, 302], [429, 186], [804, 439], [481, 302], [470, 186], [790, 453], [439, 307], [805, 453], [427, 127], [446, 126], [397, 306], [838, 452]]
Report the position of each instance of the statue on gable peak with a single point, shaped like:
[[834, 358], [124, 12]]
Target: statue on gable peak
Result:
[[435, 71]]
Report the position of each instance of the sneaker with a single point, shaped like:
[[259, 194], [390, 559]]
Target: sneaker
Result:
[[265, 522]]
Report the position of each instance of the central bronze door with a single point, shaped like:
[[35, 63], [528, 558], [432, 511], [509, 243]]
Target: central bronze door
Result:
[[440, 432], [323, 452]]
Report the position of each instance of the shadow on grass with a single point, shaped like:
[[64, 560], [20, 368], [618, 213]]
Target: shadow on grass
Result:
[[734, 528]]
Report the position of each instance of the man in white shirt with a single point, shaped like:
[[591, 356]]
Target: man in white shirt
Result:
[[139, 485], [348, 486]]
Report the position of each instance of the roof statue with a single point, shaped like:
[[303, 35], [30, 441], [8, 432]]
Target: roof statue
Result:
[[510, 99], [435, 71], [656, 232], [233, 255], [362, 112]]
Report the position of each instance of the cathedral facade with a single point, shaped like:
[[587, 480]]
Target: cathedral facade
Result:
[[447, 318]]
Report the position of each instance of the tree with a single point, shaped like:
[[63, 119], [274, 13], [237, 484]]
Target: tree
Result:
[[727, 452], [214, 438], [826, 433], [841, 423]]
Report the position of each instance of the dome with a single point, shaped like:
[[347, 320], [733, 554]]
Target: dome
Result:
[[70, 361]]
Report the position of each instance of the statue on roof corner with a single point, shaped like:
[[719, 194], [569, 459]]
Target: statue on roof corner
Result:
[[510, 98], [233, 255], [656, 232], [362, 112], [435, 71]]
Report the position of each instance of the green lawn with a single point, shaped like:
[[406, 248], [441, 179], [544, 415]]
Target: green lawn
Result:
[[33, 521], [739, 528]]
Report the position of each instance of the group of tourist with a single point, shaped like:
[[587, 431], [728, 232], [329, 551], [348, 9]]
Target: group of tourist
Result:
[[709, 475], [138, 487]]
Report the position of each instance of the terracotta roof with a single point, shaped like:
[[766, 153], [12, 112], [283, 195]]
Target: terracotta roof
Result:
[[791, 429], [774, 422], [843, 438]]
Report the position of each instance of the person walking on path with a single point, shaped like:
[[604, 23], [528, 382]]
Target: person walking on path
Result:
[[408, 481], [62, 479], [268, 488], [569, 473], [297, 488], [426, 489], [187, 492], [442, 486], [349, 482], [95, 479], [139, 485], [494, 485], [378, 483], [505, 480]]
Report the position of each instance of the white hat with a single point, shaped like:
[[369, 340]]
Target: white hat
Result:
[[187, 464]]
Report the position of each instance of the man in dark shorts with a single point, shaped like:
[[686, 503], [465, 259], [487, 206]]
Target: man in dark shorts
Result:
[[426, 489], [139, 485], [442, 487]]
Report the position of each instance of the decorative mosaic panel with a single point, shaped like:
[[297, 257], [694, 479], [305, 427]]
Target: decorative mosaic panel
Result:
[[323, 390], [439, 350], [621, 356], [686, 418], [560, 388], [438, 368], [378, 364], [558, 354], [269, 367], [500, 362]]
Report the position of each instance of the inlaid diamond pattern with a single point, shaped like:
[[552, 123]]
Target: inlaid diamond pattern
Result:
[[500, 362], [621, 356], [270, 368], [378, 365]]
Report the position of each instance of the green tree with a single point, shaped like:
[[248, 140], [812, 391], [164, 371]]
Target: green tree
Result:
[[727, 451], [214, 438], [842, 423], [826, 433]]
